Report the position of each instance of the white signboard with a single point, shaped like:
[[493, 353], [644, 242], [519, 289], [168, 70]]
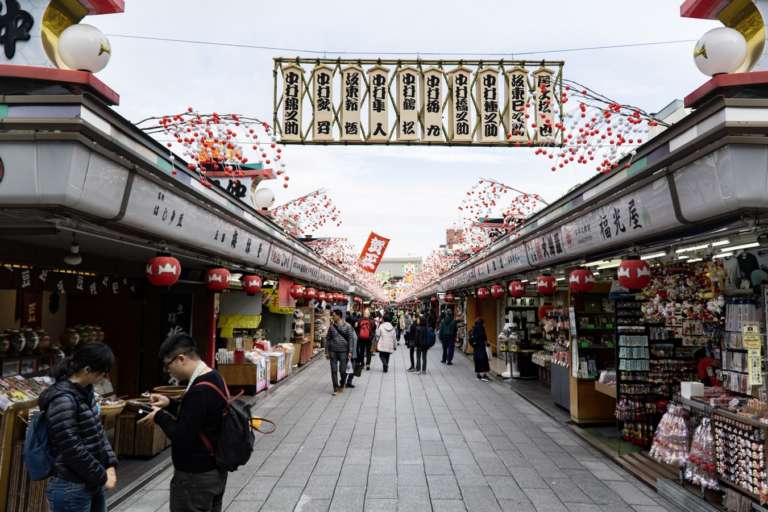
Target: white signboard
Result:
[[432, 102], [488, 105], [293, 95], [460, 113], [322, 87], [518, 105], [352, 88], [408, 104], [546, 103], [279, 260], [378, 102]]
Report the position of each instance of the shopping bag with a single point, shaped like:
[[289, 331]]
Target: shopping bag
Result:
[[358, 369], [350, 368], [489, 352]]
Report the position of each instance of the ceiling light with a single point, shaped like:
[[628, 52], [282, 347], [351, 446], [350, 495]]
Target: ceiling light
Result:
[[720, 242], [693, 248], [610, 264], [596, 263], [653, 255], [523, 280], [560, 279], [739, 247], [722, 255], [695, 260], [73, 257], [683, 257]]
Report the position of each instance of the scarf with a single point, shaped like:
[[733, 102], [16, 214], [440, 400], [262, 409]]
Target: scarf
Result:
[[200, 369]]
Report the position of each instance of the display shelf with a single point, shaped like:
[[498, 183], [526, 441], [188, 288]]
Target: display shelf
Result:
[[606, 389]]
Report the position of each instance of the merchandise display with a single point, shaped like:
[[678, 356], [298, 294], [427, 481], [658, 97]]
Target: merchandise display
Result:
[[670, 443], [740, 454], [700, 467]]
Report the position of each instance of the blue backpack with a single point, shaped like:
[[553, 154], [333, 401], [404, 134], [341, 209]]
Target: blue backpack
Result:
[[430, 337], [37, 454]]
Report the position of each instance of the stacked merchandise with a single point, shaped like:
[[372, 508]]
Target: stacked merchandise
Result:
[[592, 333], [734, 372], [556, 328], [19, 390], [670, 444], [740, 453], [700, 468]]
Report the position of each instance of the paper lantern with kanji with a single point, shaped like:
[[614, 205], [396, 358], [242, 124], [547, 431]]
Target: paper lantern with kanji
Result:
[[310, 294], [252, 285], [516, 289], [217, 279], [163, 270], [322, 296], [297, 292], [546, 284], [483, 293], [634, 274], [448, 298], [581, 280], [497, 291]]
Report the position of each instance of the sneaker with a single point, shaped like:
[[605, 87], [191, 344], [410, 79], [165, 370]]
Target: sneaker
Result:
[[412, 370], [334, 393], [424, 372], [485, 379], [368, 368], [385, 369], [450, 363], [442, 362], [351, 386]]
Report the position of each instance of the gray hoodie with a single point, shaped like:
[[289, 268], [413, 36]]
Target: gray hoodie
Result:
[[341, 338]]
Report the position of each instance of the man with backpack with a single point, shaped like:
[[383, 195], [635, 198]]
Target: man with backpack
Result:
[[447, 335], [340, 344], [365, 331], [195, 425]]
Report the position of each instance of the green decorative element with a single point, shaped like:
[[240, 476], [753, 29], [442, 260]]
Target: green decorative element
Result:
[[164, 165], [3, 111], [637, 167]]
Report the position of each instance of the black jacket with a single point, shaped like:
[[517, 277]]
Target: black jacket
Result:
[[417, 337], [75, 434], [198, 412]]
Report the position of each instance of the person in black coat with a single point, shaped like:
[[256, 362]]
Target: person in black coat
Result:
[[415, 338], [84, 462], [479, 340]]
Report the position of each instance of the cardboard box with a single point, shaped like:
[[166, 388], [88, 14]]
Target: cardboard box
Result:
[[276, 366], [689, 389]]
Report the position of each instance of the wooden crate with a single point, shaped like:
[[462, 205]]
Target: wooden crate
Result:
[[238, 374], [138, 440]]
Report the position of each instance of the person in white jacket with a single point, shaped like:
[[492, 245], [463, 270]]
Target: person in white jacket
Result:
[[386, 338]]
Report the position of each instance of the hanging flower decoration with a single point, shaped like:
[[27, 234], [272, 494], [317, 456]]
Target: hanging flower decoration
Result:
[[307, 214]]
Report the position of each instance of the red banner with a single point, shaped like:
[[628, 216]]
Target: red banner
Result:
[[373, 252]]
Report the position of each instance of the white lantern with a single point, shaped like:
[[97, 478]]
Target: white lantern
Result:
[[263, 198], [85, 48], [721, 50]]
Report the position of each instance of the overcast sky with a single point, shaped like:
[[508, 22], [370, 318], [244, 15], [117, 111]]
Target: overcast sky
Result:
[[408, 194]]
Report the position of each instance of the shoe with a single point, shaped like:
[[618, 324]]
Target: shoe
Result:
[[411, 370], [449, 363], [351, 386], [385, 369], [424, 372], [368, 368], [442, 362], [485, 379], [340, 390], [334, 392]]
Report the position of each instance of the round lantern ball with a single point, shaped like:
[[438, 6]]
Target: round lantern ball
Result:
[[263, 198], [483, 293], [310, 293], [581, 281], [297, 292], [634, 274], [721, 50], [163, 270], [85, 48], [448, 298], [497, 291], [218, 279], [546, 284], [322, 296], [252, 285], [516, 289]]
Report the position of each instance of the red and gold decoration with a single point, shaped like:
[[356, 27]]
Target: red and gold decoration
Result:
[[581, 280], [483, 293], [322, 296], [252, 285], [307, 214], [163, 270], [516, 289], [297, 292], [373, 252], [546, 284], [497, 291], [310, 294], [217, 279], [634, 273]]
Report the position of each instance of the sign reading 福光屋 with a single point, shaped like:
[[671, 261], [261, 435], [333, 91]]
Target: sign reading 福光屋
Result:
[[435, 102], [373, 252]]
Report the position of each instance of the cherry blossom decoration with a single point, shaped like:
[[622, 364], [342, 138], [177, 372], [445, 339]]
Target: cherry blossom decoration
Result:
[[307, 214]]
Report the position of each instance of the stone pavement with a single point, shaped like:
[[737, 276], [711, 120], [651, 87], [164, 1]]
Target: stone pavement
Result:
[[399, 441]]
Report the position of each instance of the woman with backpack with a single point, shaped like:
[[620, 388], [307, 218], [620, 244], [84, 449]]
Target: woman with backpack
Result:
[[83, 461], [365, 331], [479, 340], [386, 340]]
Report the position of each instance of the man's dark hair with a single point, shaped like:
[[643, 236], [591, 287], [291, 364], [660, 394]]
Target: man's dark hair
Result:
[[337, 312], [177, 344]]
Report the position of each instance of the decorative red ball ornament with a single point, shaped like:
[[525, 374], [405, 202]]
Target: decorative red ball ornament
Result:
[[163, 270], [497, 291], [297, 292], [322, 296], [483, 293], [546, 284], [516, 289], [310, 294], [634, 273], [448, 298], [581, 281], [217, 279], [252, 285], [433, 298]]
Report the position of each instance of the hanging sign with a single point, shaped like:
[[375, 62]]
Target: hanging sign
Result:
[[752, 341], [373, 252], [435, 102]]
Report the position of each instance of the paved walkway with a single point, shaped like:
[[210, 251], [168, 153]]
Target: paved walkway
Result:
[[399, 441]]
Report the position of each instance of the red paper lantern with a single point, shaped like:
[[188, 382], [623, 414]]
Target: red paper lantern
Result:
[[483, 293], [310, 294], [218, 279], [163, 270], [297, 292], [252, 284], [497, 291], [448, 298], [634, 274], [433, 298], [581, 280], [544, 309], [322, 296], [516, 289], [546, 284]]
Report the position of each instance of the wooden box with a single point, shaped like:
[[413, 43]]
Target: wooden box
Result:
[[138, 440], [238, 374]]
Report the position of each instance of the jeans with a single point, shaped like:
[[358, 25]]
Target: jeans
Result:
[[338, 368], [198, 492], [448, 348], [421, 359], [66, 496], [385, 360]]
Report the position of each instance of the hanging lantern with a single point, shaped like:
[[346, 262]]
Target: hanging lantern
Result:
[[516, 289], [433, 298], [163, 270], [448, 298], [322, 296], [483, 293], [252, 285], [497, 291], [297, 292], [310, 294], [634, 273], [581, 280], [546, 284], [218, 279]]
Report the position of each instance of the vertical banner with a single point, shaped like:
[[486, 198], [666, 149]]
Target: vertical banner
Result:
[[322, 88], [293, 93], [373, 252], [378, 84], [459, 114], [516, 105], [351, 100], [753, 342], [32, 309], [543, 90], [407, 103], [432, 102], [488, 105]]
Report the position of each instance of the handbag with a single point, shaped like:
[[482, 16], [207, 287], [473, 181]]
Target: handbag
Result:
[[358, 369]]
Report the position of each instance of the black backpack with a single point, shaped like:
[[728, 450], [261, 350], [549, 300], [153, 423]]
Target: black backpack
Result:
[[236, 438]]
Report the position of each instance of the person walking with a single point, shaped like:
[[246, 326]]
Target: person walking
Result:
[[410, 342], [340, 344], [417, 341], [400, 326], [386, 341], [193, 425], [447, 334], [425, 342], [479, 340], [83, 461], [366, 328]]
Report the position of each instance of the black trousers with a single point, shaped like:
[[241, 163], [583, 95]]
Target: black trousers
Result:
[[421, 359], [448, 349], [197, 492], [385, 359], [364, 352], [412, 351]]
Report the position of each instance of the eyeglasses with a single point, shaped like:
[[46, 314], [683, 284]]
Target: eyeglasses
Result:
[[169, 363]]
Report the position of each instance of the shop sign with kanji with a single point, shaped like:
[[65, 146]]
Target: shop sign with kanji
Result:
[[433, 102], [373, 252]]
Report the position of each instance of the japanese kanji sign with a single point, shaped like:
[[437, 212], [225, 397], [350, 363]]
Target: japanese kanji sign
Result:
[[373, 252], [510, 103]]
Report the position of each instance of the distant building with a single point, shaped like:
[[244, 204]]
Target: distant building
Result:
[[392, 271]]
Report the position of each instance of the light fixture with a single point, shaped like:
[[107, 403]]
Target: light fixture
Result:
[[596, 263], [263, 198], [695, 260], [653, 255], [720, 242], [523, 280], [73, 257], [722, 255], [83, 47], [560, 279], [693, 248], [610, 264], [739, 247], [683, 257]]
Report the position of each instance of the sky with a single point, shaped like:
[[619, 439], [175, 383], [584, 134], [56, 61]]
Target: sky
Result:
[[408, 194]]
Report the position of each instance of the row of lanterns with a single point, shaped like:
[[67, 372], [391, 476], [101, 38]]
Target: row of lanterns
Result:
[[299, 292], [633, 274]]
